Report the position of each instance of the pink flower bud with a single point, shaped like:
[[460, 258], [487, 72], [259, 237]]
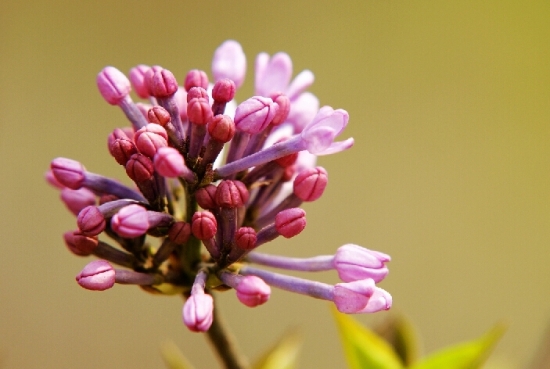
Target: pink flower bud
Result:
[[255, 114], [221, 128], [150, 138], [380, 300], [198, 312], [131, 221], [229, 62], [161, 83], [76, 200], [196, 78], [245, 238], [206, 197], [290, 222], [283, 102], [253, 291], [140, 168], [353, 263], [231, 194], [158, 115], [70, 173], [199, 111], [50, 178], [310, 184], [169, 162], [122, 149], [352, 297], [223, 90], [90, 221], [204, 225], [197, 93], [113, 85], [98, 275], [137, 78], [179, 232], [79, 244]]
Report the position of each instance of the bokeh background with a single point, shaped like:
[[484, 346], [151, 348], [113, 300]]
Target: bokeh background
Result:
[[450, 109]]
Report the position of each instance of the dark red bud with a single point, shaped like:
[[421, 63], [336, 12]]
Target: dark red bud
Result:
[[206, 197], [204, 225], [290, 222], [197, 92], [224, 90], [159, 115], [79, 244], [179, 232], [140, 168], [122, 149], [284, 108], [221, 128], [245, 238], [231, 195], [196, 78]]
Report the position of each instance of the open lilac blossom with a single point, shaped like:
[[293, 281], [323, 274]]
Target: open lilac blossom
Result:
[[213, 181]]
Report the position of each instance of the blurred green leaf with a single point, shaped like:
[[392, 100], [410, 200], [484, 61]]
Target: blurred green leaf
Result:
[[282, 355], [469, 355], [364, 349], [173, 357], [400, 333]]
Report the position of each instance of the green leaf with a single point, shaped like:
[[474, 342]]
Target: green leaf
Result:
[[469, 355], [282, 355], [364, 349], [173, 357], [400, 333]]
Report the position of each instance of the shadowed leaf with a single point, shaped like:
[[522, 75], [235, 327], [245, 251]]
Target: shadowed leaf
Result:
[[363, 348], [469, 355], [400, 333], [282, 355]]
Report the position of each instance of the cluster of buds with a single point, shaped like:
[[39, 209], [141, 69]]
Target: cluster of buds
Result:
[[213, 182]]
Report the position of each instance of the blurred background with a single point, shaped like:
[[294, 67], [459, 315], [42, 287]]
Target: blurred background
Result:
[[450, 109]]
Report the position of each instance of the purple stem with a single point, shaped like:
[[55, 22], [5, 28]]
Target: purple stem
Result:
[[313, 264], [98, 183]]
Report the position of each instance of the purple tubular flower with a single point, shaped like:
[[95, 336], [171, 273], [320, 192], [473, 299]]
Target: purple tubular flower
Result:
[[98, 275], [198, 312], [354, 262], [137, 78], [90, 221], [76, 200], [68, 172], [131, 221], [255, 114], [229, 62], [113, 85], [353, 297], [273, 74], [252, 291], [169, 163]]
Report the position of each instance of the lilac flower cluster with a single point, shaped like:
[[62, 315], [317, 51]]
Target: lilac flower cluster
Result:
[[214, 181]]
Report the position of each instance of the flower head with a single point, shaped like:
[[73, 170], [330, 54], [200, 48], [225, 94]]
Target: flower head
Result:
[[213, 181]]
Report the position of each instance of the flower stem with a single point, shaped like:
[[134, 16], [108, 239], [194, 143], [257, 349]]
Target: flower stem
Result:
[[224, 344]]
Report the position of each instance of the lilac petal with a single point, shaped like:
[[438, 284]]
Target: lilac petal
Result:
[[300, 83], [302, 111], [352, 297], [276, 75], [229, 62], [198, 312], [336, 147], [260, 66]]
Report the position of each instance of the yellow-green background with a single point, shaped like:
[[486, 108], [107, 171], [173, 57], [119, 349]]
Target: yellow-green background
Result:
[[450, 109]]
